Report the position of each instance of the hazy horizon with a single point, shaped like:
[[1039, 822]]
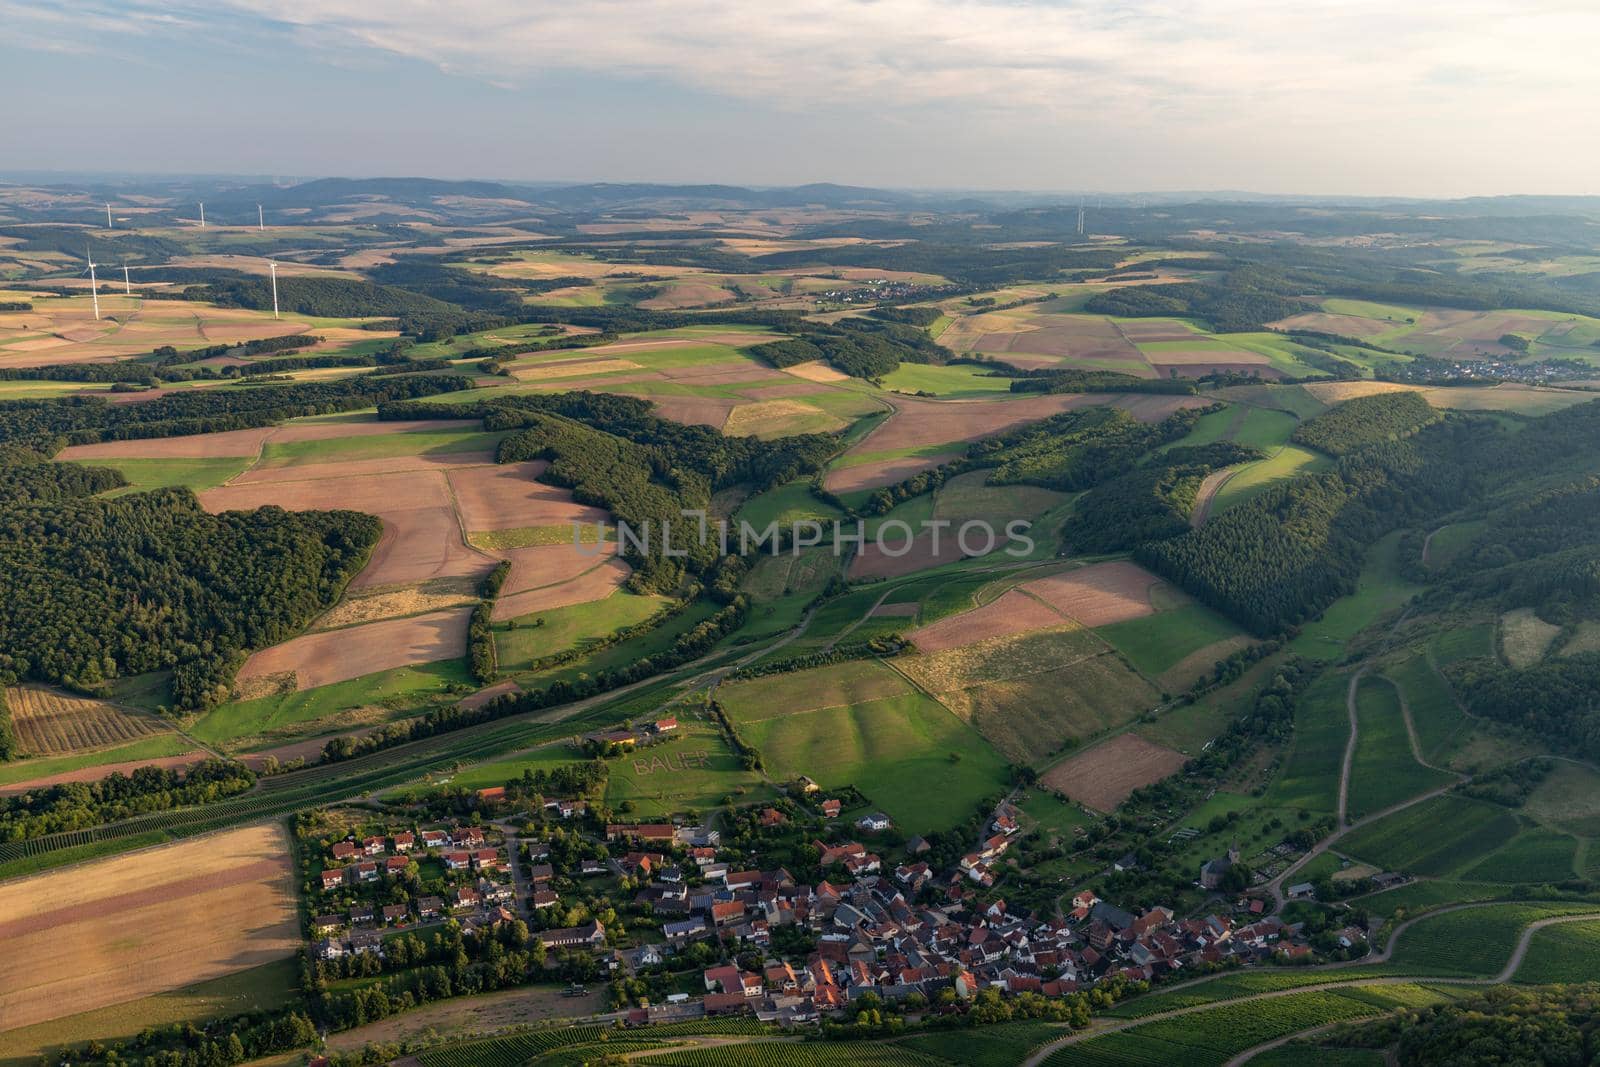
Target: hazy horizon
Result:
[[1148, 96]]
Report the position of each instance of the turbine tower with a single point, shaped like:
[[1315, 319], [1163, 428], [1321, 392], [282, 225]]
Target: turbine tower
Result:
[[127, 286], [94, 288], [1080, 218], [202, 214], [261, 223], [108, 218], [274, 265]]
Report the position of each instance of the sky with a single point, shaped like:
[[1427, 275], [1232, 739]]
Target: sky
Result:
[[1417, 98]]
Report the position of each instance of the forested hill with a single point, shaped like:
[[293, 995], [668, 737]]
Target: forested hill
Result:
[[92, 589]]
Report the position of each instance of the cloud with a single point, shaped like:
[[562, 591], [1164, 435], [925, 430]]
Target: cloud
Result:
[[1142, 93], [1142, 58]]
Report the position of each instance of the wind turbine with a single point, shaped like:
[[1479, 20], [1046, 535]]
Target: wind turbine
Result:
[[274, 265], [94, 287], [127, 286], [108, 218], [202, 214], [261, 223]]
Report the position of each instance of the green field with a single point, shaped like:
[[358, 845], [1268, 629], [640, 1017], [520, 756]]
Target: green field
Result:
[[910, 756], [1310, 777], [500, 771], [264, 988], [153, 747], [785, 505], [1438, 837], [694, 771], [569, 627], [380, 446], [1289, 461], [1156, 643], [953, 381], [276, 718], [1567, 952], [1380, 589], [197, 474], [1448, 542], [1384, 772]]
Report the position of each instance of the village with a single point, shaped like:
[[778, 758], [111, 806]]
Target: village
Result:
[[789, 912]]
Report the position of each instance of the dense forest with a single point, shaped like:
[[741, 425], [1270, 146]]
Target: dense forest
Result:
[[1366, 420], [861, 348], [50, 425], [1280, 557], [92, 589], [1069, 451], [1152, 502], [1550, 1027]]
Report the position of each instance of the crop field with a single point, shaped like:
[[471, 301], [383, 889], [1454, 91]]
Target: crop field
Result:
[[1473, 942], [421, 536], [1212, 1037], [165, 749], [1103, 776], [1013, 612], [145, 923], [952, 382], [1436, 715], [1003, 658], [911, 757], [265, 988], [558, 576], [320, 659], [777, 695], [506, 496], [1310, 777], [1438, 837], [63, 329], [1175, 646], [52, 723], [1566, 952], [922, 433], [1385, 772], [1100, 593], [1030, 717]]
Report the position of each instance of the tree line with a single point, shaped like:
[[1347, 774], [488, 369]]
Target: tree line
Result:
[[76, 805]]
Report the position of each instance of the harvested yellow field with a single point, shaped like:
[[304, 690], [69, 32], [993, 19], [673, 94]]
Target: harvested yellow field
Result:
[[1337, 392], [779, 416], [816, 371], [50, 723], [119, 929], [572, 369]]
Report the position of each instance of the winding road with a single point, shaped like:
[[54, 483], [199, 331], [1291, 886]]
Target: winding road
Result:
[[1043, 1052]]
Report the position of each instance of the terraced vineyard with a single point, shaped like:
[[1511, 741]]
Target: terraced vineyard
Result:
[[1212, 1037], [798, 1054], [511, 1050]]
